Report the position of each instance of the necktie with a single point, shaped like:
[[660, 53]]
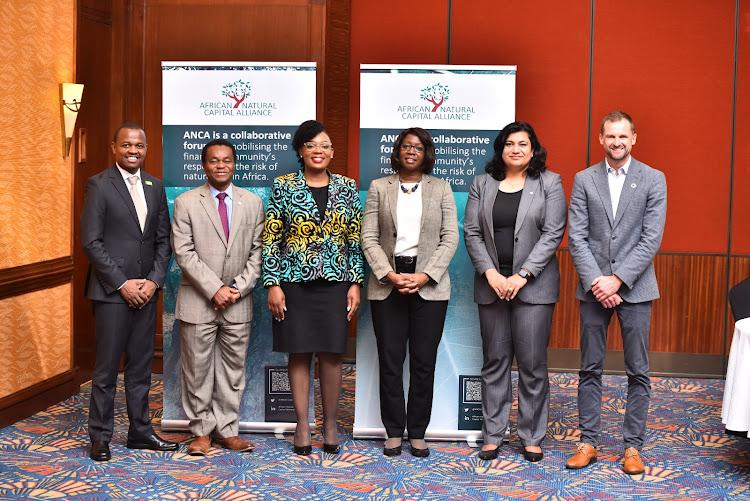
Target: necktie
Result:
[[223, 214], [140, 206]]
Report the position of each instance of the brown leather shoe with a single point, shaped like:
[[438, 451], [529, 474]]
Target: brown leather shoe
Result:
[[633, 464], [235, 444], [585, 455], [199, 446]]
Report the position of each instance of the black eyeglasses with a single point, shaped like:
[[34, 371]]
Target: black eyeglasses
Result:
[[407, 147]]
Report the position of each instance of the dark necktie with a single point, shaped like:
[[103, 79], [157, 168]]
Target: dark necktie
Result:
[[223, 214]]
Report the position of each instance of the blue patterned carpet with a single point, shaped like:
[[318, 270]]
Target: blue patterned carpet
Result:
[[688, 457]]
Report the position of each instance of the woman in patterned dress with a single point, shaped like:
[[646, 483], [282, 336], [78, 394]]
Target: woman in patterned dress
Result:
[[313, 268]]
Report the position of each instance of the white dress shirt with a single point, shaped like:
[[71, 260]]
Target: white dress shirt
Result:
[[616, 182], [408, 221], [227, 201]]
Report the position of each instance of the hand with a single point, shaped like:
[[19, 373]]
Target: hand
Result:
[[401, 281], [225, 297], [148, 288], [605, 286], [612, 301], [352, 301], [276, 302], [513, 285], [414, 281], [132, 293], [497, 282]]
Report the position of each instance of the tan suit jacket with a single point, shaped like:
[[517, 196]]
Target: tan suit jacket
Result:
[[438, 239], [208, 261]]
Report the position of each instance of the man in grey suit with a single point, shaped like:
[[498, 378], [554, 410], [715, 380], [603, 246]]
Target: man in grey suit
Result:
[[125, 236], [216, 236], [617, 212]]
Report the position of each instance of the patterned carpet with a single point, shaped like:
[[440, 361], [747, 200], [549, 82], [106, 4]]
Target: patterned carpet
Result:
[[688, 457]]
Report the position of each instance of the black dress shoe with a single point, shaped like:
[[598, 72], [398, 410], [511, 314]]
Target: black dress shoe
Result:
[[100, 451], [392, 451], [302, 450], [153, 442], [489, 454], [532, 457], [419, 453], [331, 448]]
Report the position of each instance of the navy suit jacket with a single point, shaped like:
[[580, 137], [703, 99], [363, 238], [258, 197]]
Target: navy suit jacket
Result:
[[112, 238]]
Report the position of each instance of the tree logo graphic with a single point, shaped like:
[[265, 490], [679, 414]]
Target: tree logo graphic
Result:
[[236, 90], [436, 94]]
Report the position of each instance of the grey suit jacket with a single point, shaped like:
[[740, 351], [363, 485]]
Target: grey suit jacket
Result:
[[540, 225], [438, 239], [622, 244], [208, 261], [112, 238]]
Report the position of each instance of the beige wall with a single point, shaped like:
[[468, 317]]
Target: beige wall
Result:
[[38, 47]]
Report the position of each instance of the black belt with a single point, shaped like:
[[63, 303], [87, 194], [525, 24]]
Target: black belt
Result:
[[405, 259]]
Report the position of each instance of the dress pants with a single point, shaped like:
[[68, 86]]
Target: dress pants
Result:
[[515, 328], [120, 328], [212, 375], [635, 322], [398, 319]]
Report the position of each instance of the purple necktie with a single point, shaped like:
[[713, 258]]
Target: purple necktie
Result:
[[223, 214]]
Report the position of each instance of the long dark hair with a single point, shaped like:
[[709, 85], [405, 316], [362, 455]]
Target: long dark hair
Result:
[[428, 162], [496, 166]]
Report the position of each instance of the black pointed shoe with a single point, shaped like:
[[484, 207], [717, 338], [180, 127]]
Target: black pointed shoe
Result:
[[100, 451]]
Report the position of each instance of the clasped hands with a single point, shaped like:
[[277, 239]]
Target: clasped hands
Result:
[[137, 292], [505, 287], [408, 283], [605, 290], [225, 297]]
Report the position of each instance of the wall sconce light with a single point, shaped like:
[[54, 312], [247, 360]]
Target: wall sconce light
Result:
[[70, 103]]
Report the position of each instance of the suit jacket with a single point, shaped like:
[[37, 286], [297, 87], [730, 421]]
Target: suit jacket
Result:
[[623, 244], [298, 247], [209, 261], [112, 239], [438, 239], [539, 228]]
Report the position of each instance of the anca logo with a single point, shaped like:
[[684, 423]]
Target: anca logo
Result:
[[237, 104], [436, 94]]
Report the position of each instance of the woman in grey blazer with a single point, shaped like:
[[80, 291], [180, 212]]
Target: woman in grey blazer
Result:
[[409, 235], [515, 219]]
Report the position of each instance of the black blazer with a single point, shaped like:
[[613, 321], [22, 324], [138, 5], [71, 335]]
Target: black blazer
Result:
[[112, 239]]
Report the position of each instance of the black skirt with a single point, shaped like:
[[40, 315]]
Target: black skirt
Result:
[[315, 318]]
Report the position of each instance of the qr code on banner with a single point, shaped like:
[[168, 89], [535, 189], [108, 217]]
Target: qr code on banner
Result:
[[279, 382], [472, 390]]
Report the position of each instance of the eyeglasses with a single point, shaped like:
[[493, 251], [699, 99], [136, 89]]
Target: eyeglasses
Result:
[[322, 146], [407, 147]]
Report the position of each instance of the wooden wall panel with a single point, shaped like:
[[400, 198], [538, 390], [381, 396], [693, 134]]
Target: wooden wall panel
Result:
[[670, 65]]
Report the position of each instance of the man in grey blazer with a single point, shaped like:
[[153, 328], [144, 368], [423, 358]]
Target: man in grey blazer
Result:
[[617, 212], [216, 237], [125, 236]]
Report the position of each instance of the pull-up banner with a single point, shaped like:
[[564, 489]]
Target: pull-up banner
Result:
[[257, 107], [463, 108]]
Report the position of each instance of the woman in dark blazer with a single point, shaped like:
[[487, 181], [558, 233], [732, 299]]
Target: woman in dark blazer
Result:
[[515, 219], [313, 268], [409, 235]]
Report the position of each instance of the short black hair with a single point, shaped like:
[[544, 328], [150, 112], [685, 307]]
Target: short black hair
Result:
[[128, 126], [305, 132], [616, 116], [217, 142], [429, 149], [496, 166]]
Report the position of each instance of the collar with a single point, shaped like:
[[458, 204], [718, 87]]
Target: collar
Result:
[[215, 192], [624, 168], [125, 174]]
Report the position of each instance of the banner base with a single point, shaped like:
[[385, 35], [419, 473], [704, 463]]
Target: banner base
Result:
[[471, 436]]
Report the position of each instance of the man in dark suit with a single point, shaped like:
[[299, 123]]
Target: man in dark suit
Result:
[[125, 236], [617, 212]]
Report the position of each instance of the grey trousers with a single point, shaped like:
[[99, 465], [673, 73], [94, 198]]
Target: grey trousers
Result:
[[212, 375], [635, 322], [520, 329]]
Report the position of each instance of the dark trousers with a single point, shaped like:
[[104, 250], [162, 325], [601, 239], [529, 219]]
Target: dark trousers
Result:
[[398, 319], [635, 322], [119, 329]]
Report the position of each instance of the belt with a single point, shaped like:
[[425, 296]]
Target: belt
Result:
[[405, 259]]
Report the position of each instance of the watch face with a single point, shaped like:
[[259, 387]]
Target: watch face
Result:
[[523, 274]]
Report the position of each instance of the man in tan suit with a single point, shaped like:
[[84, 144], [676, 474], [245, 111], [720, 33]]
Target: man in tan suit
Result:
[[216, 237]]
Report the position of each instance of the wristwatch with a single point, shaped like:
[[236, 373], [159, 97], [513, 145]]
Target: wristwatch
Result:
[[524, 273]]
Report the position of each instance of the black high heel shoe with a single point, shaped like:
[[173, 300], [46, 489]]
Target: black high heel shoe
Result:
[[302, 450], [392, 451], [532, 457], [489, 454], [331, 448]]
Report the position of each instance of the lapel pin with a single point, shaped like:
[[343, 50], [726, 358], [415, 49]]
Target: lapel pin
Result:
[[531, 193], [149, 183], [239, 203], [632, 185]]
